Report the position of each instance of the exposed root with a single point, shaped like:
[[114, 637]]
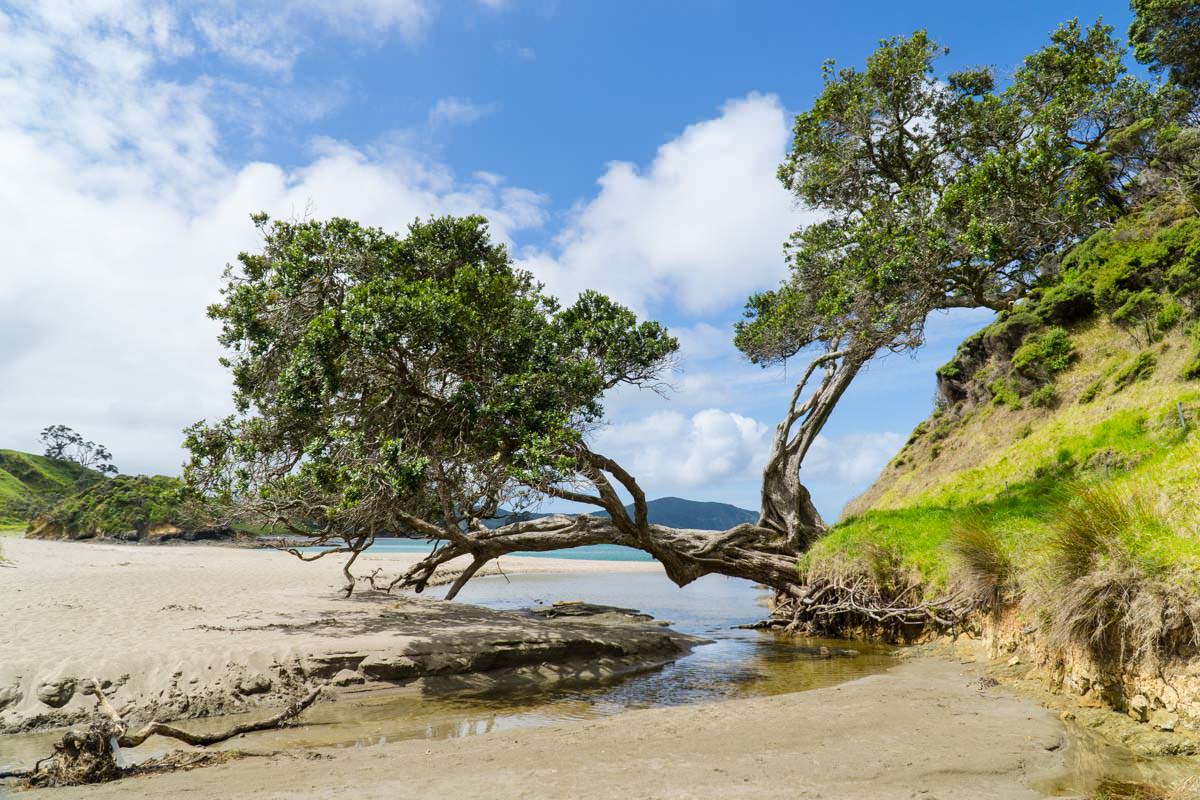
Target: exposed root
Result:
[[91, 753]]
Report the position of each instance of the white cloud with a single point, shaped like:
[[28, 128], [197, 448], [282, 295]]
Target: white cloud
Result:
[[669, 450], [459, 111], [120, 213], [701, 227], [855, 458], [270, 35]]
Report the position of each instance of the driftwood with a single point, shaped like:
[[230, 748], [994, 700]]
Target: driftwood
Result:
[[91, 753]]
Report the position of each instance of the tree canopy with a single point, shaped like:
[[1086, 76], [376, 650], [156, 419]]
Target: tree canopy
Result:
[[1166, 36], [65, 444], [408, 383], [944, 190]]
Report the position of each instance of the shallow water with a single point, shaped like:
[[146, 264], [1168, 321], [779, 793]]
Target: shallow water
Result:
[[589, 552]]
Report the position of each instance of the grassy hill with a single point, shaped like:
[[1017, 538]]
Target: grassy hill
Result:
[[1061, 465], [24, 476]]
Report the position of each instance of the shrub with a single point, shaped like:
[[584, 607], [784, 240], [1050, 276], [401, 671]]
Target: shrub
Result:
[[1192, 371], [1066, 303], [1044, 397], [126, 503], [1044, 354], [1139, 369], [1003, 393]]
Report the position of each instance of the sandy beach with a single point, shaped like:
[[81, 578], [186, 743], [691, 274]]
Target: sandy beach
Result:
[[187, 631]]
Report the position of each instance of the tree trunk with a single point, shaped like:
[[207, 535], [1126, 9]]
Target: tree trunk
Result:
[[787, 506], [747, 551]]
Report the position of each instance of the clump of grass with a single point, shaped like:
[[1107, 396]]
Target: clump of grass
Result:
[[987, 569], [1192, 371], [1089, 394], [1139, 369], [1114, 584]]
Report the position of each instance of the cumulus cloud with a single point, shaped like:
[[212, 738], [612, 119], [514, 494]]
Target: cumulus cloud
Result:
[[459, 111], [854, 458], [121, 209], [671, 450], [120, 213], [702, 226]]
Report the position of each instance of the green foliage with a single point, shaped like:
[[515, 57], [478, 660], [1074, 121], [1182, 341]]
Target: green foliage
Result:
[[30, 483], [1065, 303], [1144, 276], [1192, 371], [381, 378], [1166, 35], [1043, 397], [1139, 369], [941, 190], [1004, 393], [1045, 354], [1091, 392], [125, 503]]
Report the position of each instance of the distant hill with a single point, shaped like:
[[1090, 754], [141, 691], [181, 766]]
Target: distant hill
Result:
[[676, 512], [24, 477]]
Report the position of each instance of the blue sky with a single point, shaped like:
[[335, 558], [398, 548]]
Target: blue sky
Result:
[[619, 145]]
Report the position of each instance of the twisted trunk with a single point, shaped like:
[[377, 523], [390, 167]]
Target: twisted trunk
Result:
[[787, 506], [746, 551], [766, 552]]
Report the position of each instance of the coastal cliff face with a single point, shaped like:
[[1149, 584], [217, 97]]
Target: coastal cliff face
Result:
[[1057, 480]]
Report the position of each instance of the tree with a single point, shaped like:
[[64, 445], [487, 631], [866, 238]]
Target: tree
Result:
[[939, 192], [65, 444], [419, 384], [1166, 35]]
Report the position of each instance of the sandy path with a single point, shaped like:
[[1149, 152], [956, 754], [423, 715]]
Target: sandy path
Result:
[[923, 730], [186, 623]]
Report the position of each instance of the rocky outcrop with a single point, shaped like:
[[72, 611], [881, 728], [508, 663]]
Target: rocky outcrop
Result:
[[458, 647]]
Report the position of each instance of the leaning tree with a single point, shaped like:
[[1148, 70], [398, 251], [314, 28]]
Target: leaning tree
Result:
[[422, 384]]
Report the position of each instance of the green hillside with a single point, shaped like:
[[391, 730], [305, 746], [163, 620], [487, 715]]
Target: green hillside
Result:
[[24, 477], [1061, 465]]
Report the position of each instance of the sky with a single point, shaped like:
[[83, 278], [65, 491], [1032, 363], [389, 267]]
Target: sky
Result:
[[624, 146]]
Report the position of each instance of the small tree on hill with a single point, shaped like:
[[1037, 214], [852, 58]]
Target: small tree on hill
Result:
[[65, 444]]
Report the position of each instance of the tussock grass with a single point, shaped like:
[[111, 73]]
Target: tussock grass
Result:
[[1112, 586], [985, 566]]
